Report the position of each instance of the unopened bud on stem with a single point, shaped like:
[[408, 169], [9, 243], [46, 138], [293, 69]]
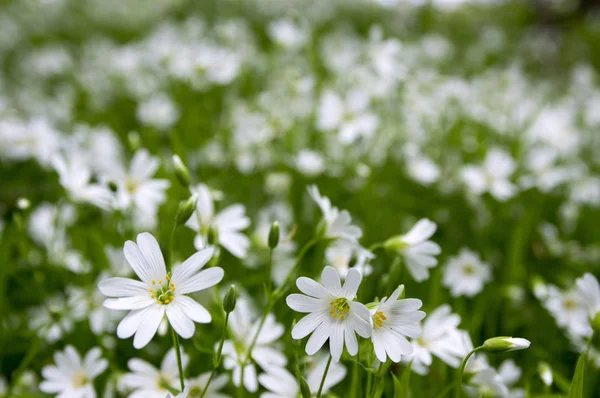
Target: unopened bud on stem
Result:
[[504, 344], [185, 210], [181, 172], [274, 235], [230, 299]]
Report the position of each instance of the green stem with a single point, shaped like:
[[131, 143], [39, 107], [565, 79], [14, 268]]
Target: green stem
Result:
[[461, 370], [377, 379], [395, 273], [324, 377], [269, 276], [29, 357], [170, 249], [178, 354], [217, 360], [282, 289], [241, 391]]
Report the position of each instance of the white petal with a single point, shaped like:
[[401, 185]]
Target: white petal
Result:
[[201, 281], [235, 243], [151, 251], [350, 338], [122, 287], [148, 325], [336, 341], [128, 303], [420, 232], [192, 265], [182, 324], [302, 303], [129, 325], [137, 262], [311, 288], [307, 324], [353, 279], [331, 280], [318, 338], [193, 310], [378, 346]]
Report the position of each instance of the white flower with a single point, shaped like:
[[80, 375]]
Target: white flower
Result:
[[418, 252], [159, 292], [569, 310], [197, 385], [282, 384], [350, 117], [337, 223], [492, 176], [309, 163], [75, 176], [287, 34], [73, 377], [137, 188], [590, 291], [439, 337], [341, 253], [159, 112], [228, 223], [332, 312], [148, 382], [466, 274], [243, 326], [393, 321]]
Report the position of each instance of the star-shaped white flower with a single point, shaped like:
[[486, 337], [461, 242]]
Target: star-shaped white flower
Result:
[[393, 321], [159, 293], [332, 312]]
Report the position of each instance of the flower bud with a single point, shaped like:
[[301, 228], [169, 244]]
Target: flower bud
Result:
[[395, 244], [23, 203], [504, 344], [230, 299], [181, 172], [274, 235], [545, 373], [185, 210]]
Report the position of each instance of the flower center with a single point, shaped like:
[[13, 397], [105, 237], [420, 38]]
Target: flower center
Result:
[[195, 391], [163, 290], [339, 308], [78, 379], [468, 269], [131, 185], [164, 383], [378, 319], [570, 304]]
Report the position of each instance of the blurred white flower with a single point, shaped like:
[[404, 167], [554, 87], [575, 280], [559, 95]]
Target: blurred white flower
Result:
[[393, 320], [288, 34], [341, 253], [159, 112], [333, 313], [197, 385], [227, 224], [590, 292], [492, 176], [73, 377], [337, 223], [159, 292], [243, 326], [416, 248], [282, 384], [466, 274], [310, 163], [569, 310], [148, 382]]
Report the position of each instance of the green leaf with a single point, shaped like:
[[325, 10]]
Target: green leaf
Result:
[[576, 390]]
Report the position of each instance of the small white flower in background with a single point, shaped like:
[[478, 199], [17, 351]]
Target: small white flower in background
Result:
[[333, 313], [416, 248], [393, 321], [159, 293], [349, 116], [440, 337], [159, 112], [282, 384], [569, 310], [466, 274], [52, 320], [590, 291], [337, 223], [75, 176], [228, 223], [196, 386], [183, 394], [3, 386], [138, 190], [288, 34], [492, 176], [243, 325], [146, 381], [341, 253], [310, 163], [73, 377], [545, 372]]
